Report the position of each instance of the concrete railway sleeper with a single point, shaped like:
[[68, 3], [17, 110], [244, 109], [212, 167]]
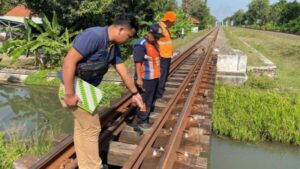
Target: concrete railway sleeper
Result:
[[113, 119]]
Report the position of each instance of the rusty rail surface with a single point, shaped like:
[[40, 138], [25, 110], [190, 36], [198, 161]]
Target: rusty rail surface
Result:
[[63, 155]]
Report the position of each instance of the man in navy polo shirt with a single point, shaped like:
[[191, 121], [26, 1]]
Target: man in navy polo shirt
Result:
[[93, 45]]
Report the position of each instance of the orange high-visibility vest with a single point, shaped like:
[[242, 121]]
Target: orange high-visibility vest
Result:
[[165, 43]]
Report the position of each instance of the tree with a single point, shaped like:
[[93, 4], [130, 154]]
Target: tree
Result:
[[5, 5], [238, 17], [81, 14], [71, 13], [258, 11], [276, 11], [199, 10], [290, 12]]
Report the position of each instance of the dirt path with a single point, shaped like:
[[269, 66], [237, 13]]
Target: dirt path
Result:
[[222, 44]]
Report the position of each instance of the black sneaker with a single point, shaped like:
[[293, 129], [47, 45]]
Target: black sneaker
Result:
[[138, 130], [152, 108]]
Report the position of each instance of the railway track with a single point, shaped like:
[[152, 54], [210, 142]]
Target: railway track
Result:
[[179, 136]]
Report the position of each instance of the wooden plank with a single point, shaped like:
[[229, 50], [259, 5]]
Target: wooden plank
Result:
[[151, 161], [119, 153], [129, 136], [191, 162]]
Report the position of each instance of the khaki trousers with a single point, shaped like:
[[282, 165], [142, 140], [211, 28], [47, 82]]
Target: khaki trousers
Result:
[[86, 137]]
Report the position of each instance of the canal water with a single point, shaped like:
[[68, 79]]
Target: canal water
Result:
[[32, 112], [228, 154], [35, 112]]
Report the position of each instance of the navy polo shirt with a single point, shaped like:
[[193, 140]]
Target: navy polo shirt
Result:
[[92, 44]]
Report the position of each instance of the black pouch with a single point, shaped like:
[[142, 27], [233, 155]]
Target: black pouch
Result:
[[91, 71]]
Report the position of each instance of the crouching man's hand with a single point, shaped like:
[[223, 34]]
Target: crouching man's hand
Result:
[[138, 100]]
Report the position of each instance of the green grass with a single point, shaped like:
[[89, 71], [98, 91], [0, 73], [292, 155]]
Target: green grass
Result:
[[13, 148], [41, 78], [257, 111], [283, 51], [111, 91], [236, 43], [188, 39]]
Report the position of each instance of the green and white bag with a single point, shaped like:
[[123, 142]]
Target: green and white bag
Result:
[[89, 95]]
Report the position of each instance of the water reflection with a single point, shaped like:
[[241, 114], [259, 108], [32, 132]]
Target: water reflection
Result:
[[227, 154], [32, 112]]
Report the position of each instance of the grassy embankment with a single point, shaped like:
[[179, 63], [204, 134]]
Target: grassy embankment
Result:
[[263, 109], [235, 42]]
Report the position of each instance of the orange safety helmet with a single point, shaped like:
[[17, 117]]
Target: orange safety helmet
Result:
[[169, 16]]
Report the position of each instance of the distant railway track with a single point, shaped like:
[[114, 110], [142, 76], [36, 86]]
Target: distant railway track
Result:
[[188, 98]]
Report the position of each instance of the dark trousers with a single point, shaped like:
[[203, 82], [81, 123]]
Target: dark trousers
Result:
[[150, 87], [164, 72]]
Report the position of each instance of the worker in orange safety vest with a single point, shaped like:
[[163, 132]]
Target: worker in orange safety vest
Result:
[[166, 50]]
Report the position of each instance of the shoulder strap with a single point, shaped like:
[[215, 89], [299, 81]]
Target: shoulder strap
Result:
[[111, 53]]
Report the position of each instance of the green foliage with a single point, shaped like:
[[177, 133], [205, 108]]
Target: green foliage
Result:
[[48, 47], [293, 26], [41, 78], [5, 6], [80, 14], [9, 153], [276, 11], [282, 16], [72, 13], [258, 11], [260, 82], [290, 12], [14, 148], [111, 91], [238, 17], [199, 10], [256, 115], [182, 22]]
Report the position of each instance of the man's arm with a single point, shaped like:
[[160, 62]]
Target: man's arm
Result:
[[122, 70], [69, 67]]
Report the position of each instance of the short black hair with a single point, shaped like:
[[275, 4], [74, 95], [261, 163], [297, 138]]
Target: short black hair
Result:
[[127, 19]]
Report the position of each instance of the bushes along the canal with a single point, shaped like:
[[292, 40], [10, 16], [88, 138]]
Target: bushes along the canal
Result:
[[111, 91], [13, 148], [41, 78], [251, 114]]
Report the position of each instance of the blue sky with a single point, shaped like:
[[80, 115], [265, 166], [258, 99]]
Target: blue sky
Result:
[[223, 8]]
